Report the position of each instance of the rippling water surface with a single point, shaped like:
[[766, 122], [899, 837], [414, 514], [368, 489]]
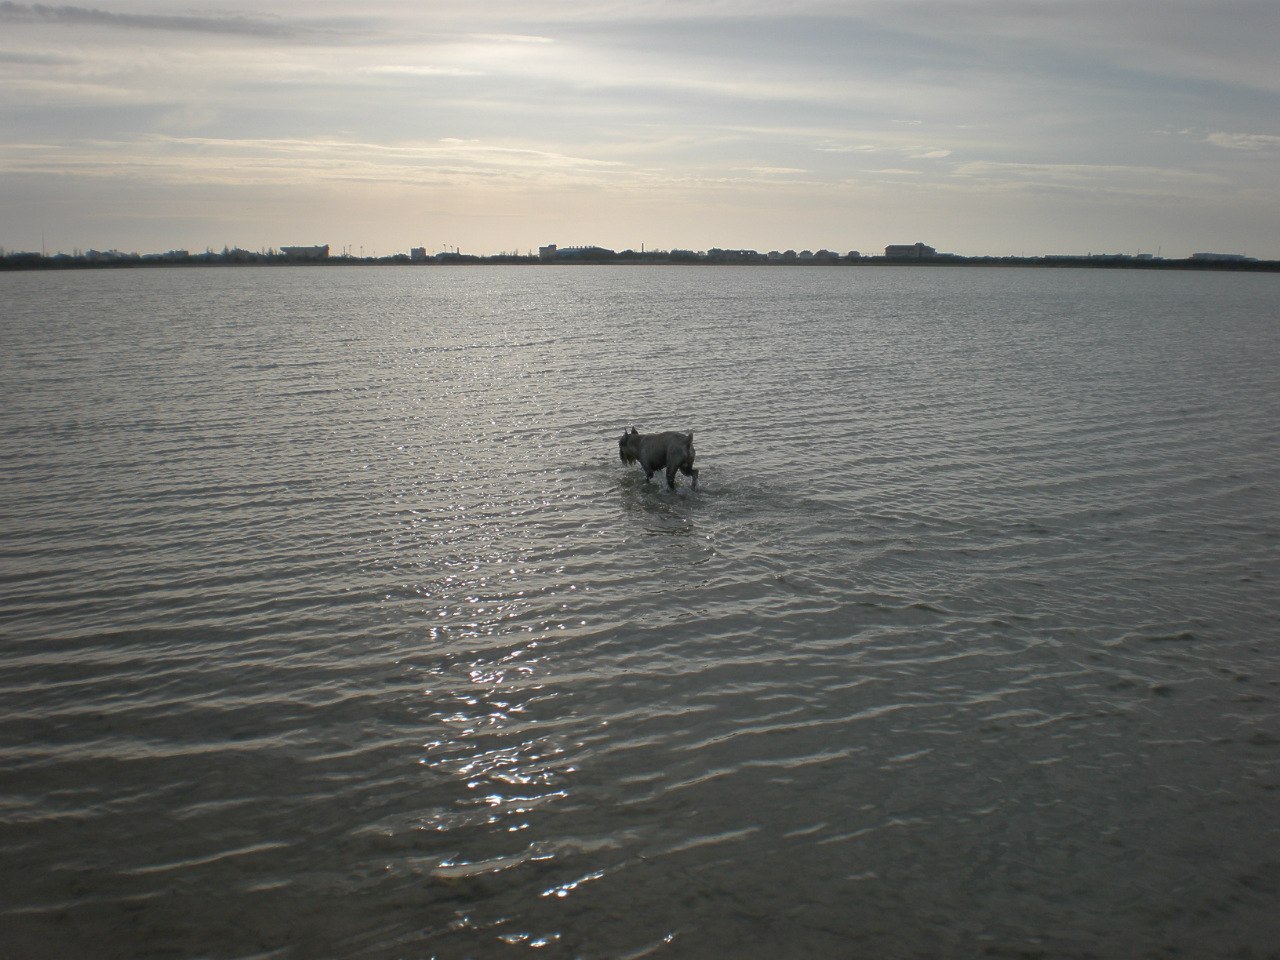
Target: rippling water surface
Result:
[[331, 625]]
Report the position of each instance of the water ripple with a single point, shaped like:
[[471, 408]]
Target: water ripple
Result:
[[332, 625]]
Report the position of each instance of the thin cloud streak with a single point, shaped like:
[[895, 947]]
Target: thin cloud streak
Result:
[[265, 162], [1244, 141], [1081, 172], [90, 16]]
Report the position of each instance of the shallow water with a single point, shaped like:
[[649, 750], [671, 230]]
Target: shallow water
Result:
[[332, 625]]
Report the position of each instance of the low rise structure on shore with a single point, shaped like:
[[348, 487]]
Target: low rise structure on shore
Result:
[[552, 252], [306, 253], [911, 251], [1221, 258]]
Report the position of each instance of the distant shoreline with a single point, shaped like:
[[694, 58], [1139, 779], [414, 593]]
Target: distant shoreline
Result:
[[27, 261]]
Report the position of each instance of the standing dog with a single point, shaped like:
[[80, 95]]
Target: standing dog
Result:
[[654, 451]]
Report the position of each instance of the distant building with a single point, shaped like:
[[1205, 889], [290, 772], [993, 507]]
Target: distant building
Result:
[[909, 251], [109, 256], [1221, 257], [306, 253], [418, 254], [552, 252], [734, 256]]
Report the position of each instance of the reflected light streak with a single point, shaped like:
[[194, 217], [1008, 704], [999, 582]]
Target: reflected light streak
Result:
[[564, 889]]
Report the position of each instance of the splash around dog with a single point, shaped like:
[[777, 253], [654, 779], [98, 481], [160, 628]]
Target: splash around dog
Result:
[[654, 451]]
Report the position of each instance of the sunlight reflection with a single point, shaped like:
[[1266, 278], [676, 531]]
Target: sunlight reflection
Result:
[[564, 889], [529, 939]]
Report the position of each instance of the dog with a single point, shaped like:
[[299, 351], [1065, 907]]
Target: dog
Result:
[[653, 451]]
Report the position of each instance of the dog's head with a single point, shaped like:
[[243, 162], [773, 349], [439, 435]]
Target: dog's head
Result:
[[628, 445]]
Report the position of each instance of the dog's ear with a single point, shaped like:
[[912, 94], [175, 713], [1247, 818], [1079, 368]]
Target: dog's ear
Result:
[[634, 430], [691, 436]]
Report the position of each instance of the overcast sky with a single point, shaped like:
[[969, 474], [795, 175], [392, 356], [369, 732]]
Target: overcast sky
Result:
[[977, 126]]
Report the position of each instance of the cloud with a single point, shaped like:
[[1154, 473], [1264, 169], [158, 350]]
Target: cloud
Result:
[[34, 59], [1229, 41], [409, 70], [251, 162], [510, 38], [1094, 183], [1080, 173], [888, 145], [80, 16], [1244, 141], [1029, 103]]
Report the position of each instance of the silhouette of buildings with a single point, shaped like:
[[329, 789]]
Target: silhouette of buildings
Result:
[[306, 253], [894, 255], [1221, 258], [909, 251], [586, 254]]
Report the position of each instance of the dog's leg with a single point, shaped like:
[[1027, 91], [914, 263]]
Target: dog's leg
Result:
[[671, 477]]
